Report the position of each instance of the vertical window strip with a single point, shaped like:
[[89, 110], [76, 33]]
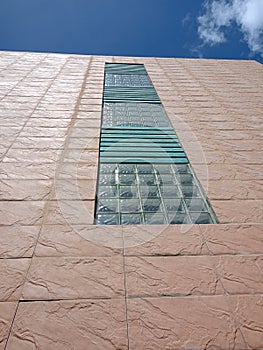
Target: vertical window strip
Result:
[[144, 174]]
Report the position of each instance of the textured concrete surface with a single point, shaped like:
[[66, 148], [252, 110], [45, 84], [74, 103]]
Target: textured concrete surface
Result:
[[68, 284]]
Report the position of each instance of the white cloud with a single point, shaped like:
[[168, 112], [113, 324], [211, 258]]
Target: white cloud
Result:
[[220, 14], [186, 20]]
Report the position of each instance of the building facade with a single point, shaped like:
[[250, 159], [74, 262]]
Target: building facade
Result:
[[71, 282]]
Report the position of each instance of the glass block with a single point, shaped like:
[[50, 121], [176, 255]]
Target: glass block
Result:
[[166, 179], [126, 80], [147, 179], [190, 191], [119, 112], [135, 114], [107, 205], [149, 123], [144, 80], [173, 205], [131, 219], [163, 124], [107, 191], [195, 204], [131, 113], [181, 168], [145, 169], [107, 105], [121, 121], [201, 218], [107, 219], [149, 191], [135, 120], [178, 218], [135, 124], [126, 168], [170, 191], [108, 122], [154, 219], [107, 179], [146, 115], [163, 168], [127, 179], [129, 205], [128, 192], [107, 168], [185, 179], [133, 107], [152, 205]]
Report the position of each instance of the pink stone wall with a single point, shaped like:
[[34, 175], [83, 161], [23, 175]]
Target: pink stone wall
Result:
[[68, 284]]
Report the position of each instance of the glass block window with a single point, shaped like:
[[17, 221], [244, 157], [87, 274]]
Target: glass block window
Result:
[[134, 114], [126, 80], [144, 174], [148, 193]]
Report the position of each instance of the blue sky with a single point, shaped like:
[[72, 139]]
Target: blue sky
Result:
[[163, 28]]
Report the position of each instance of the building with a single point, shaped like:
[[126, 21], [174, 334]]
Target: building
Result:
[[67, 283]]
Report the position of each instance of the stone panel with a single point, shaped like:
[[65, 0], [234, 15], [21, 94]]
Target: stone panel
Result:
[[233, 239], [12, 278], [74, 278], [171, 276], [65, 325], [248, 311], [18, 241], [7, 313], [163, 240], [182, 323], [86, 240]]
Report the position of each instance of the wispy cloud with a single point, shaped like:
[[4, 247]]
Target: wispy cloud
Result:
[[187, 19], [221, 14]]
